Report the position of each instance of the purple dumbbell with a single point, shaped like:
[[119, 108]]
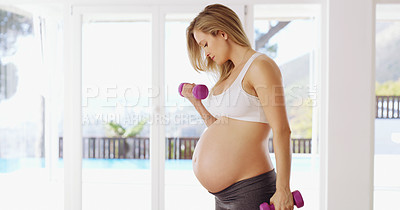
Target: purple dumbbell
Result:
[[199, 91], [297, 198]]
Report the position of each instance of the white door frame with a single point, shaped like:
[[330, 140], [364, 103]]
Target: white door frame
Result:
[[73, 107]]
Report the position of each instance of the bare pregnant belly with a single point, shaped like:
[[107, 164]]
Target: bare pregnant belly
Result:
[[229, 151]]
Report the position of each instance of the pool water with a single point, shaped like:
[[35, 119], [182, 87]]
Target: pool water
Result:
[[299, 164]]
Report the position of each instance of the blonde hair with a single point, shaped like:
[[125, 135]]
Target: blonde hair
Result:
[[214, 18]]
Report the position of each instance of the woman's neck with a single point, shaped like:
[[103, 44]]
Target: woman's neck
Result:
[[240, 55]]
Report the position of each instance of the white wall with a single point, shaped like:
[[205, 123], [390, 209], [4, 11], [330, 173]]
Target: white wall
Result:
[[349, 110]]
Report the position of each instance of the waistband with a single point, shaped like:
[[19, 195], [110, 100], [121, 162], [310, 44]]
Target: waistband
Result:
[[253, 183]]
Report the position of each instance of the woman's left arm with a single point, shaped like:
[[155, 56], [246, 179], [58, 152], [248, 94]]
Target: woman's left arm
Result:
[[266, 79]]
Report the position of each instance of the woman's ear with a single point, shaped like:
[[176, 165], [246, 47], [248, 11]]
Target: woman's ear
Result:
[[224, 35]]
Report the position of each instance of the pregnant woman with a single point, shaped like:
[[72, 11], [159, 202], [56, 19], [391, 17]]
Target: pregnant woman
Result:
[[231, 159]]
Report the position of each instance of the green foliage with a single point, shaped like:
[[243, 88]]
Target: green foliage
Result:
[[117, 130], [301, 122], [299, 107], [388, 88], [133, 131]]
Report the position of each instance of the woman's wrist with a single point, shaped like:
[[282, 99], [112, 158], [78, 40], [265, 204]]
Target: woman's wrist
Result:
[[282, 185], [195, 102], [284, 188]]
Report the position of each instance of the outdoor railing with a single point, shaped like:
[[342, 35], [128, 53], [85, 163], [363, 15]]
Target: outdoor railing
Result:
[[387, 107], [139, 147], [113, 148]]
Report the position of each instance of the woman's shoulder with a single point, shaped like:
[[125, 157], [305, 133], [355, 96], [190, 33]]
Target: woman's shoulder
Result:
[[263, 59], [263, 68], [264, 64]]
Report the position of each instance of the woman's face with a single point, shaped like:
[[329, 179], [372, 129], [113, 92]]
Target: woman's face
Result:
[[215, 48]]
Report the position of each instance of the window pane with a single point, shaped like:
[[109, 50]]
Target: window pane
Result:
[[290, 40], [387, 122], [116, 76], [30, 110]]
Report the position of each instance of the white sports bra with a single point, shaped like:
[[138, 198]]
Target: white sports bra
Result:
[[235, 102]]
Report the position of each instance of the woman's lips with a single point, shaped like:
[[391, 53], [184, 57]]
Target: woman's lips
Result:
[[213, 57]]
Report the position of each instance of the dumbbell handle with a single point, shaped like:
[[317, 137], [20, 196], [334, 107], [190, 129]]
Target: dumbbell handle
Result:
[[297, 198], [199, 91]]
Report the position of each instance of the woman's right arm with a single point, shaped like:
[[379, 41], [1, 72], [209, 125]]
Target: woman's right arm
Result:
[[207, 117], [187, 93]]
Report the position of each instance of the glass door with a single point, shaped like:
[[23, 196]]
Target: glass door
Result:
[[31, 106], [116, 77], [387, 119], [289, 35]]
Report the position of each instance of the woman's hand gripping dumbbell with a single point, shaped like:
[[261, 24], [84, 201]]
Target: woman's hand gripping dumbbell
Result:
[[297, 198], [198, 91]]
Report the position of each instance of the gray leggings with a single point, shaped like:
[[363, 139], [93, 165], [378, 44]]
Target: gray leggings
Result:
[[247, 194]]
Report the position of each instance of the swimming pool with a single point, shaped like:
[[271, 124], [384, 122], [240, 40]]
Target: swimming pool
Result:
[[300, 163]]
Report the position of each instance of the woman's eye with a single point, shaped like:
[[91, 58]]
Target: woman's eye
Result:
[[206, 45]]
